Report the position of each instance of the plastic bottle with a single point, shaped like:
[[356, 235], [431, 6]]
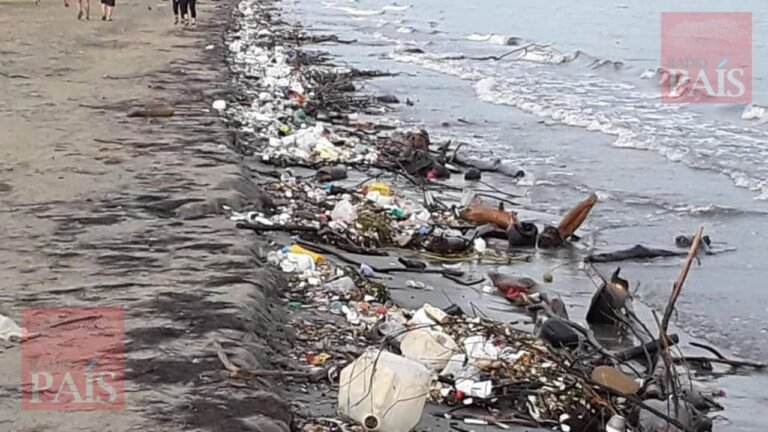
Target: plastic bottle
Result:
[[317, 258], [383, 392], [431, 348]]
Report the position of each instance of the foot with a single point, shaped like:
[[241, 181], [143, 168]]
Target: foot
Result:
[[87, 17], [103, 17], [193, 22], [176, 21], [80, 15], [109, 19]]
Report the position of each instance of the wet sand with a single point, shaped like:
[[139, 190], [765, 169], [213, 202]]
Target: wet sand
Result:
[[102, 210]]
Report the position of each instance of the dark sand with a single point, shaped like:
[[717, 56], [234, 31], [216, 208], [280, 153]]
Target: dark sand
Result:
[[99, 209]]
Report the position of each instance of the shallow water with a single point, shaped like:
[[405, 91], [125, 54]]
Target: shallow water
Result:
[[660, 170]]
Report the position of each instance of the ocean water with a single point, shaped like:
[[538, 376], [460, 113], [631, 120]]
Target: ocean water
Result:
[[581, 112]]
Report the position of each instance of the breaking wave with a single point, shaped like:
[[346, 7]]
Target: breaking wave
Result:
[[755, 112], [496, 39], [359, 12]]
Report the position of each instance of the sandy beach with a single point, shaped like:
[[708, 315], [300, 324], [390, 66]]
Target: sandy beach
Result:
[[103, 210]]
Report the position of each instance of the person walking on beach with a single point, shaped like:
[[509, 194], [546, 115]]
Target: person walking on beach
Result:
[[187, 11], [83, 6], [107, 6], [175, 4]]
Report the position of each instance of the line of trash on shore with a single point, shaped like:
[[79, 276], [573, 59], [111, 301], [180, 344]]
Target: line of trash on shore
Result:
[[558, 376]]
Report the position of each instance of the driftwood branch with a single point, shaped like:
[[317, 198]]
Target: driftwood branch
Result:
[[678, 286], [725, 361], [265, 228], [41, 333]]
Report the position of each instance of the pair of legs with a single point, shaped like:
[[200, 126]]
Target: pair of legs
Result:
[[83, 7], [188, 12], [107, 6]]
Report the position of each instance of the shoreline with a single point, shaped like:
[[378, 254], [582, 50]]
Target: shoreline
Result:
[[416, 298]]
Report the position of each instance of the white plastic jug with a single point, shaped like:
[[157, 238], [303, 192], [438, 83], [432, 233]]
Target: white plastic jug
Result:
[[384, 392], [431, 348]]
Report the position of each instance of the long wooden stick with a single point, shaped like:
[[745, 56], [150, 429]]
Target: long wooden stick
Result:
[[664, 324], [37, 334], [678, 286]]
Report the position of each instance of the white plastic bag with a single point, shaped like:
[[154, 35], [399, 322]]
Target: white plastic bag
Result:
[[9, 329]]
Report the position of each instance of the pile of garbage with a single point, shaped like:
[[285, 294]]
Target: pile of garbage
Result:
[[367, 218], [555, 375]]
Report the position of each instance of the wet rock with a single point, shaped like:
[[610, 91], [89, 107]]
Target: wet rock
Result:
[[550, 238], [472, 175], [388, 99], [522, 234]]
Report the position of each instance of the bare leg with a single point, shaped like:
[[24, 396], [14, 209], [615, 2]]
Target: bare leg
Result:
[[103, 12], [80, 9], [87, 9], [109, 12]]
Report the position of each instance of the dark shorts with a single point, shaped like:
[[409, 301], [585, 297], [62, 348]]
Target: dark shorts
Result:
[[108, 2]]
